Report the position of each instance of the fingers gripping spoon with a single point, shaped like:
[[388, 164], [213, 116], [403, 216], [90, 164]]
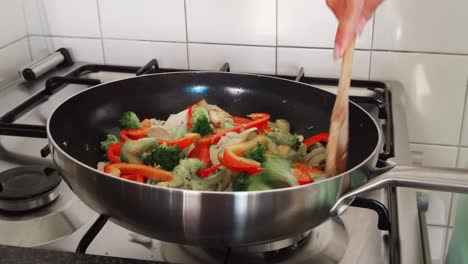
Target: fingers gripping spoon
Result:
[[337, 147]]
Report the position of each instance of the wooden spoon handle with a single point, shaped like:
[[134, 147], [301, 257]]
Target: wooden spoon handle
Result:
[[337, 147]]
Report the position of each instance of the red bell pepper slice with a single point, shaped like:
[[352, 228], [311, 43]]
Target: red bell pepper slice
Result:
[[136, 133], [240, 120], [113, 152], [183, 143], [141, 132], [232, 156], [259, 120], [305, 173], [201, 152], [136, 178], [123, 135], [117, 169], [203, 173], [321, 137]]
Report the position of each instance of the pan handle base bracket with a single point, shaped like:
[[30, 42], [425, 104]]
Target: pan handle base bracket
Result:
[[91, 234], [378, 207]]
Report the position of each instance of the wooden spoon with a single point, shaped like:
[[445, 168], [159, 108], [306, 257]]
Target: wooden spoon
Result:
[[337, 146]]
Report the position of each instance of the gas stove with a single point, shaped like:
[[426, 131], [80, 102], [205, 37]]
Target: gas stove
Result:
[[385, 226]]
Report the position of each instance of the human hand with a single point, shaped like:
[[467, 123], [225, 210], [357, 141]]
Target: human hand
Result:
[[352, 16]]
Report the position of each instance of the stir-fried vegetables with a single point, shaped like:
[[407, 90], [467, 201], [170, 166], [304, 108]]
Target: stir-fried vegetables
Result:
[[130, 120], [110, 139], [163, 156], [205, 148], [280, 137]]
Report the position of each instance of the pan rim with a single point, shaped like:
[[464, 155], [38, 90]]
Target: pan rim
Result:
[[293, 188]]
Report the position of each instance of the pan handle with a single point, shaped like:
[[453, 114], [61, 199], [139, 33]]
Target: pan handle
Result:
[[429, 178]]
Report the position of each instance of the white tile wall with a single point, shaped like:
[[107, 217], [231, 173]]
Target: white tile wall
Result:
[[13, 26], [464, 132], [319, 62], [143, 19], [422, 25], [71, 18], [169, 55], [271, 36], [462, 162], [89, 50], [240, 58], [17, 55], [40, 47], [441, 156], [233, 22], [308, 23], [437, 243], [434, 114]]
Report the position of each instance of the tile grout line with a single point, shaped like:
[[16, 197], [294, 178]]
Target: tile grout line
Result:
[[100, 31], [371, 48], [463, 118], [186, 34], [254, 45], [26, 29], [13, 42], [276, 39], [430, 144], [444, 252]]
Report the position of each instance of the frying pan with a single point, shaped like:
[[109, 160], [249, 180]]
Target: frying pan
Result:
[[220, 218]]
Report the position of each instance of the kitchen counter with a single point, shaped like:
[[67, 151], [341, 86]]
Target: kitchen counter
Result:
[[20, 255]]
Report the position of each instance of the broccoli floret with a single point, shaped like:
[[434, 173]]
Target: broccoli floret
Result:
[[257, 153], [185, 171], [163, 156], [279, 172], [129, 120], [281, 138], [110, 139], [201, 122], [240, 182]]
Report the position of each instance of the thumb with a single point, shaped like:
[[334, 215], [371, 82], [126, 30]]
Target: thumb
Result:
[[347, 26]]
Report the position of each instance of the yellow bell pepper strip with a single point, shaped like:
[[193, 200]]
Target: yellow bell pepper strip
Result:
[[113, 152], [183, 143], [234, 160], [203, 173], [117, 169], [321, 137], [136, 133], [260, 120]]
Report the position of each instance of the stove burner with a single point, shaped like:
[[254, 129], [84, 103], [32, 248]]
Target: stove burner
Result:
[[27, 188]]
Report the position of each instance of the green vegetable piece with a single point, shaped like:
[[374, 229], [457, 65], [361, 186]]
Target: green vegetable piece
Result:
[[281, 138], [110, 139], [185, 171], [163, 156], [279, 172], [200, 121], [241, 182], [132, 149], [257, 153], [130, 120]]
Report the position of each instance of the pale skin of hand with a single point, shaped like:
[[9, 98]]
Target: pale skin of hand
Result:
[[352, 16]]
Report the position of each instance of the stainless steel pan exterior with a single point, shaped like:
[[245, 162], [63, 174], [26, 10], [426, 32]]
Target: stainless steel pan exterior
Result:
[[221, 218], [205, 218]]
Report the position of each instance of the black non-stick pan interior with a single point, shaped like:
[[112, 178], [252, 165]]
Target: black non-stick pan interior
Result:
[[80, 123]]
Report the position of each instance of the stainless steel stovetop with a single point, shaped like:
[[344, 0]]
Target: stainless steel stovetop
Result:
[[352, 238]]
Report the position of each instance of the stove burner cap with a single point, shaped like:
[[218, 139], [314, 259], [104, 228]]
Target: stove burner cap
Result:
[[28, 187]]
